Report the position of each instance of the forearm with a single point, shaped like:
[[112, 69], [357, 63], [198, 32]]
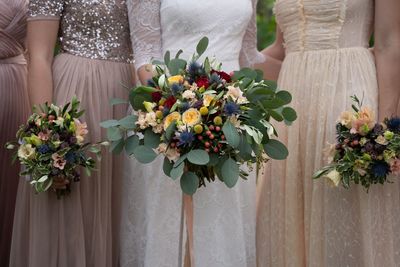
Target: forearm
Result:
[[40, 81], [388, 71], [271, 67]]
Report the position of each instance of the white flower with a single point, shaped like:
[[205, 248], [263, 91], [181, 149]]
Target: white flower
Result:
[[330, 152], [158, 128], [172, 154], [334, 178], [146, 119], [26, 151], [162, 148], [188, 94], [381, 140], [59, 121], [151, 119], [235, 121], [236, 94], [55, 108]]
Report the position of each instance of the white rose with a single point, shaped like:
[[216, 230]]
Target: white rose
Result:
[[26, 151], [188, 94]]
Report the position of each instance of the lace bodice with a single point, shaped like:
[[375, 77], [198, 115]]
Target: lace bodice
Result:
[[12, 27], [96, 29], [169, 25], [324, 24]]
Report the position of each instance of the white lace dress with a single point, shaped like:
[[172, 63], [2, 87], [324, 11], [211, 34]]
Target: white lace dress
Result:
[[224, 226]]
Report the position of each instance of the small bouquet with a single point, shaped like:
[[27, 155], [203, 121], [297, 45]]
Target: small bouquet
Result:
[[366, 152], [51, 147], [206, 123]]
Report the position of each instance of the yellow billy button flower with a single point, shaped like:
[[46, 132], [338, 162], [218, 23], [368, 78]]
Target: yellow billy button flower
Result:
[[203, 111], [191, 117], [175, 79], [159, 114], [218, 120], [174, 116], [198, 129]]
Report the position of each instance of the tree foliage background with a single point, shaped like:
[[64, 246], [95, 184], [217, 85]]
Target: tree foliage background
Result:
[[265, 23]]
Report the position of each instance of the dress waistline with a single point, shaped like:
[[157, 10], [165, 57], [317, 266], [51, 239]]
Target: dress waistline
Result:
[[19, 60], [330, 50]]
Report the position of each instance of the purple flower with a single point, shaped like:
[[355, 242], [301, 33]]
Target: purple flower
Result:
[[43, 149], [380, 169]]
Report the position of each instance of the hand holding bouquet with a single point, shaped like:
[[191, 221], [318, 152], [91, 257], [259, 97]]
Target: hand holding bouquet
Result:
[[51, 147], [206, 123], [366, 152]]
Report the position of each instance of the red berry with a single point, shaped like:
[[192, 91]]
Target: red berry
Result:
[[216, 149], [223, 137], [218, 128], [208, 133], [212, 136], [211, 127], [219, 145], [173, 145], [200, 137], [207, 144]]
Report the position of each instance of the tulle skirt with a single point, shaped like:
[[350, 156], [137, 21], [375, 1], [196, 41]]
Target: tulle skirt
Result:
[[80, 229], [302, 222]]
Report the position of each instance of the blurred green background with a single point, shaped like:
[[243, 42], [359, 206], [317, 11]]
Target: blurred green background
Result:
[[265, 23]]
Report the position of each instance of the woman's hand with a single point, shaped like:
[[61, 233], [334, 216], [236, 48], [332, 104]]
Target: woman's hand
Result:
[[387, 54], [145, 73]]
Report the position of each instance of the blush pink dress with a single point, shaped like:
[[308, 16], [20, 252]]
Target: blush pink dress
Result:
[[302, 222], [14, 109], [80, 230]]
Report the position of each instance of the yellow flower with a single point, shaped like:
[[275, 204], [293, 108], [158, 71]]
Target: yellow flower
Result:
[[207, 100], [175, 79], [34, 140], [26, 151], [334, 178], [149, 106], [191, 117], [174, 116]]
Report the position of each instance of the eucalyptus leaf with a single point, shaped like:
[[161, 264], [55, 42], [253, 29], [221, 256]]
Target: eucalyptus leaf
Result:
[[285, 96], [167, 167], [144, 154], [177, 171], [230, 172], [202, 46], [214, 159], [114, 134], [170, 130], [176, 65], [151, 139], [231, 134], [117, 146], [276, 150], [289, 114], [198, 157], [117, 101], [129, 122], [189, 183], [167, 57], [109, 123], [131, 143]]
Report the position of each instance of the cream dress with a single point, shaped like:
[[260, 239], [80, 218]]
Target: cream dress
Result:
[[306, 223]]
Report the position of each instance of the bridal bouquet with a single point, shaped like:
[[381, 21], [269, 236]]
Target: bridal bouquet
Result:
[[207, 123], [51, 148], [366, 152]]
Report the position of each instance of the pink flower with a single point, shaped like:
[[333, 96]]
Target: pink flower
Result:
[[80, 130], [364, 122], [58, 161], [44, 136], [395, 166]]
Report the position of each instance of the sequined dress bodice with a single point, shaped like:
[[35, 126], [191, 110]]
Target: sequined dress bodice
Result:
[[96, 29]]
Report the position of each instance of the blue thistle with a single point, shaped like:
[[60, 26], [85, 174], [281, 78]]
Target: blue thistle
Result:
[[186, 138], [151, 83], [394, 124], [43, 149], [215, 78], [380, 169], [231, 108], [176, 89], [70, 157], [198, 104], [185, 106], [195, 69], [165, 111]]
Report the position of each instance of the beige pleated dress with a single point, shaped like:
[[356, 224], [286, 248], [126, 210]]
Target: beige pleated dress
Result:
[[81, 230], [14, 109], [306, 223]]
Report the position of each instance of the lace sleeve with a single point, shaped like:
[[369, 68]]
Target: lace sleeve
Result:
[[249, 55], [45, 9], [144, 21]]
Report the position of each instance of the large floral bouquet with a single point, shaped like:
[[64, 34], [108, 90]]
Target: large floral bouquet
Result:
[[366, 152], [206, 123], [51, 147]]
